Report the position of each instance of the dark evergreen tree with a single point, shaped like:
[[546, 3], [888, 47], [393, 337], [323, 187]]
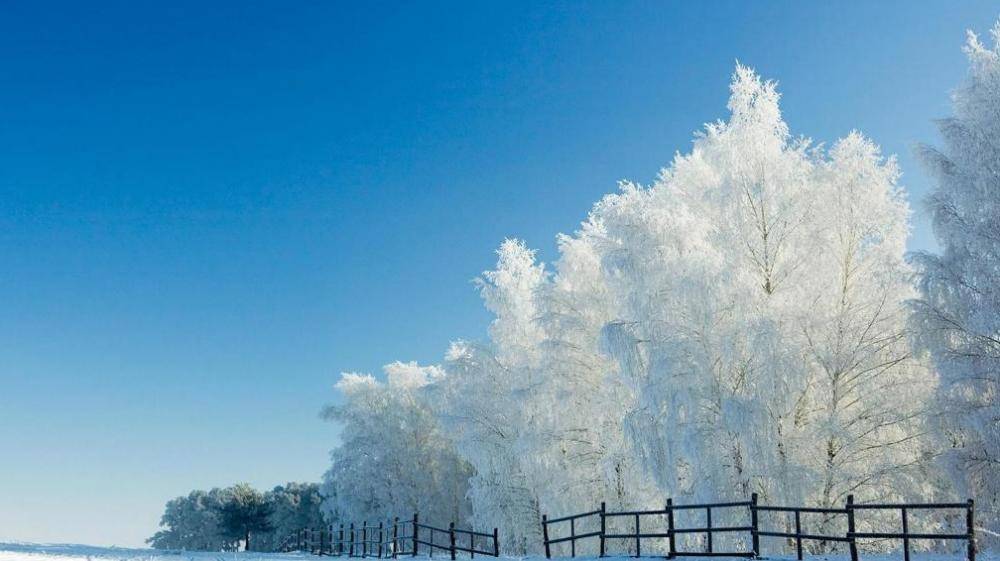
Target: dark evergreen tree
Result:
[[244, 513]]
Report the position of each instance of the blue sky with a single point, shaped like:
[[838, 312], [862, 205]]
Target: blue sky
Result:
[[209, 210]]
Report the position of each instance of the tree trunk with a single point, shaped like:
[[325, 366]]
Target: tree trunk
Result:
[[246, 544]]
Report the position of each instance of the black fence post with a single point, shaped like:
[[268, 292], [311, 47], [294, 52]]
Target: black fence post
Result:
[[395, 537], [638, 547], [971, 529], [322, 532], [351, 550], [754, 535], [906, 535], [603, 526], [451, 539], [851, 528], [708, 526], [364, 539], [381, 538], [572, 534], [670, 529], [472, 545], [798, 536], [415, 528], [496, 544], [340, 541], [545, 535]]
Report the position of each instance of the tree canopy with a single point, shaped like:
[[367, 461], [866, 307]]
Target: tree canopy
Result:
[[223, 519]]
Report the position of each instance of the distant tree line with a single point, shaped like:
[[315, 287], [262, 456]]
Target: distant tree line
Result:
[[238, 517]]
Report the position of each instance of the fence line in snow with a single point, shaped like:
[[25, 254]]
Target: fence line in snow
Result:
[[752, 529], [390, 540]]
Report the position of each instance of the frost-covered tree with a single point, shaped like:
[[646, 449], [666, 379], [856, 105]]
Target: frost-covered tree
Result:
[[243, 514], [218, 520], [192, 523], [293, 506], [738, 327], [958, 313], [490, 395], [394, 459], [586, 430], [534, 410], [760, 323]]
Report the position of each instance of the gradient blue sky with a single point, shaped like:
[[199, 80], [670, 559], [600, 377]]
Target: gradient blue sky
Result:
[[209, 209]]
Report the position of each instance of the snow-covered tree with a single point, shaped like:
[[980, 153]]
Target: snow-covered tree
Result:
[[490, 394], [293, 506], [958, 313], [244, 514], [218, 520], [756, 316], [191, 523], [739, 326], [394, 459], [586, 429]]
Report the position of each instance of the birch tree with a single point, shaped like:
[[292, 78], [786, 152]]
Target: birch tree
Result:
[[757, 293], [492, 396], [394, 459], [957, 315]]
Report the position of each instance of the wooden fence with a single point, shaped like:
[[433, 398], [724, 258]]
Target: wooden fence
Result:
[[752, 530], [392, 539]]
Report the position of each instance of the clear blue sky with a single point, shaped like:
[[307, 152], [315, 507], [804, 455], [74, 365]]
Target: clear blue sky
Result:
[[210, 209]]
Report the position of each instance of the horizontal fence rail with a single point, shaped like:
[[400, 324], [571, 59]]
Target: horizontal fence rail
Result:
[[799, 535], [753, 529], [905, 535], [389, 540], [708, 529], [573, 536], [430, 542], [492, 541]]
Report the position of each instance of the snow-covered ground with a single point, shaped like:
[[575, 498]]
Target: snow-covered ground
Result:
[[74, 552]]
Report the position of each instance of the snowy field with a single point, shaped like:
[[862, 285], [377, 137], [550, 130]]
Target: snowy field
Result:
[[71, 552]]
